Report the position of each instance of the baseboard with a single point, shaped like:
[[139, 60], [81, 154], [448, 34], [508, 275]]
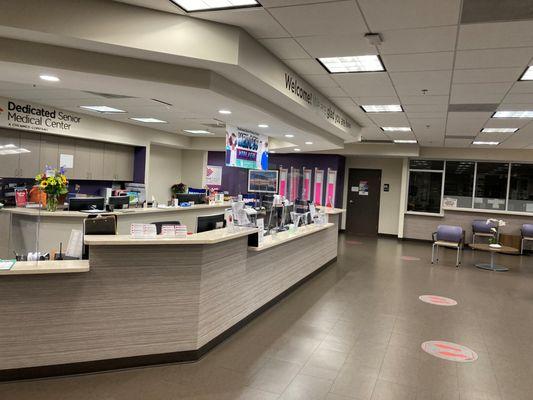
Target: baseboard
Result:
[[48, 371], [388, 235]]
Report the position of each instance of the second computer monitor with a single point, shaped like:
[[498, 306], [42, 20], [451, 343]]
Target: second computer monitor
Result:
[[86, 204], [210, 223], [119, 202]]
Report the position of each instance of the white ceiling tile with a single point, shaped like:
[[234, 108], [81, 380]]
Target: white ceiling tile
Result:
[[333, 91], [365, 84], [412, 83], [518, 98], [496, 35], [284, 48], [493, 58], [467, 123], [389, 119], [426, 115], [256, 21], [506, 123], [451, 142], [479, 92], [384, 15], [420, 40], [306, 66], [428, 125], [345, 45], [522, 87], [339, 17], [320, 81], [429, 108], [424, 99], [376, 100], [283, 3], [491, 75], [517, 142], [418, 62]]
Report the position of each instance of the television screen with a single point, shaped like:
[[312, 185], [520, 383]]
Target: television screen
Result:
[[246, 149], [263, 181]]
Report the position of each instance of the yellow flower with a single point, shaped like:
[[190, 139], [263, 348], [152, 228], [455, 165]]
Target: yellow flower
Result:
[[44, 184]]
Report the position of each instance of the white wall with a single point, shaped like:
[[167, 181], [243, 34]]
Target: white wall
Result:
[[164, 170], [391, 173], [193, 167]]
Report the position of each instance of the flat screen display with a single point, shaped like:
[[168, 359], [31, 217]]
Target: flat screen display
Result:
[[262, 181], [246, 149]]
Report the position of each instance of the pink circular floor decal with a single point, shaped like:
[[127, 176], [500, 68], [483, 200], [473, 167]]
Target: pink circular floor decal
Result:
[[409, 258], [438, 300], [449, 351]]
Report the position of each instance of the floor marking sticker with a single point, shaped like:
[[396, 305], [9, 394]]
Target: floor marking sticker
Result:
[[353, 242], [438, 300], [449, 351], [409, 258]]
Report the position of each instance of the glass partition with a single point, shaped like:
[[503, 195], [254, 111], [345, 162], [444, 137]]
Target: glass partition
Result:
[[491, 186], [521, 188], [459, 183], [424, 191]]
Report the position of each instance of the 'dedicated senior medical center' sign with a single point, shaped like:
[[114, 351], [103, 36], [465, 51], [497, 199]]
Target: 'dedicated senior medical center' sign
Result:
[[20, 114]]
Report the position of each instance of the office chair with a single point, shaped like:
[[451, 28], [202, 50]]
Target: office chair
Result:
[[527, 234], [483, 229], [451, 237]]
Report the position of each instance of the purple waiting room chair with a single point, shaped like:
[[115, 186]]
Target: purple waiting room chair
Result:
[[482, 229], [448, 236], [527, 234]]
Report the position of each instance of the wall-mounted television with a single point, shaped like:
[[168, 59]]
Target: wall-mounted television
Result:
[[246, 149], [262, 181]]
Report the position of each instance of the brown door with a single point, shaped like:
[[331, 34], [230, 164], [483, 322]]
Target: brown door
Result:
[[364, 188]]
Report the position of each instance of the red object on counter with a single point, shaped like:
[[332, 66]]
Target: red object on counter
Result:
[[21, 197]]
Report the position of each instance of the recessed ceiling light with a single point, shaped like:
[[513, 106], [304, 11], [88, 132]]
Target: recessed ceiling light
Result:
[[10, 146], [308, 142], [226, 112], [405, 141], [212, 5], [149, 120], [382, 108], [499, 130], [198, 132], [49, 78], [339, 65], [528, 75], [297, 149], [396, 128], [103, 109], [289, 135], [262, 126], [272, 151], [482, 143], [513, 114]]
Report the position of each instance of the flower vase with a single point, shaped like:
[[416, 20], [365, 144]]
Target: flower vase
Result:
[[51, 202]]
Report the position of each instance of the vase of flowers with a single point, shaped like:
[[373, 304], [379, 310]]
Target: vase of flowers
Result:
[[495, 224], [54, 183]]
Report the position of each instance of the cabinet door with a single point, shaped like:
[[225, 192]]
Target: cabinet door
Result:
[[9, 162], [49, 153], [96, 169], [30, 148], [82, 160], [110, 162], [124, 168], [67, 147]]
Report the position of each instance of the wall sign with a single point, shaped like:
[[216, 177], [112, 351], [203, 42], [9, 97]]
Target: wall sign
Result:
[[319, 185], [246, 149], [283, 177], [363, 188], [213, 175], [331, 188], [18, 114], [386, 187], [306, 184]]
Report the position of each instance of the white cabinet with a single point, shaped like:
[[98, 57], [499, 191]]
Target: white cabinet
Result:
[[82, 160], [9, 160], [30, 145], [118, 162], [49, 152]]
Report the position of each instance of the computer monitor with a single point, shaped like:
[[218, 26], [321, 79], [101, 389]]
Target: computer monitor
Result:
[[210, 223], [119, 202], [188, 197], [86, 204]]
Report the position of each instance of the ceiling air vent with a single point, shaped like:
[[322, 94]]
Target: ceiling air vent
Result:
[[483, 107], [110, 95], [460, 137]]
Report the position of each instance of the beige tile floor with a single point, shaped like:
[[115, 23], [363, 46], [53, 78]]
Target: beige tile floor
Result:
[[353, 332]]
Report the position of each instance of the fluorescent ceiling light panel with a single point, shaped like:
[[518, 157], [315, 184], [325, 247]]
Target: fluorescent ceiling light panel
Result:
[[289, 135], [528, 75], [49, 78], [225, 112], [211, 5], [339, 65], [308, 142], [262, 126], [482, 143], [297, 150], [149, 120], [513, 114], [198, 132], [499, 130], [103, 109], [405, 141], [396, 128], [382, 108]]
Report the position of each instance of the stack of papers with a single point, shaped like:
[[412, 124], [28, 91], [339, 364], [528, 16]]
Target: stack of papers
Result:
[[6, 265]]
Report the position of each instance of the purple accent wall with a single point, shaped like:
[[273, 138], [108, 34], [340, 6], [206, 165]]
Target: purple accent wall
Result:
[[139, 164], [235, 180]]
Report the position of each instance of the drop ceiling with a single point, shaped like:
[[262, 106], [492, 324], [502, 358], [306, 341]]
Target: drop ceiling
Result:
[[458, 52]]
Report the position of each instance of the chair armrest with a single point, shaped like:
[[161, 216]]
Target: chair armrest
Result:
[[434, 236]]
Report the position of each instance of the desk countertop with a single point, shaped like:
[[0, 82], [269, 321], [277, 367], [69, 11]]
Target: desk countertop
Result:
[[210, 237], [47, 267], [288, 236]]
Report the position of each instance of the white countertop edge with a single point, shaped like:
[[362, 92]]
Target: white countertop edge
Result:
[[285, 237], [47, 267], [330, 210], [211, 237]]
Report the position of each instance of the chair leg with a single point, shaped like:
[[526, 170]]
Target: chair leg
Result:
[[522, 246], [432, 253], [458, 260]]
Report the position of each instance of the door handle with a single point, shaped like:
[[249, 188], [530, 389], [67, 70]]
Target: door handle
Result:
[[351, 201]]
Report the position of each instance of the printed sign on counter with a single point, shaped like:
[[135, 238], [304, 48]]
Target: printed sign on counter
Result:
[[143, 231]]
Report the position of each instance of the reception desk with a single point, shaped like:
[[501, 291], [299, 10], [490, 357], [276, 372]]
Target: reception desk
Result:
[[21, 227], [150, 301]]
